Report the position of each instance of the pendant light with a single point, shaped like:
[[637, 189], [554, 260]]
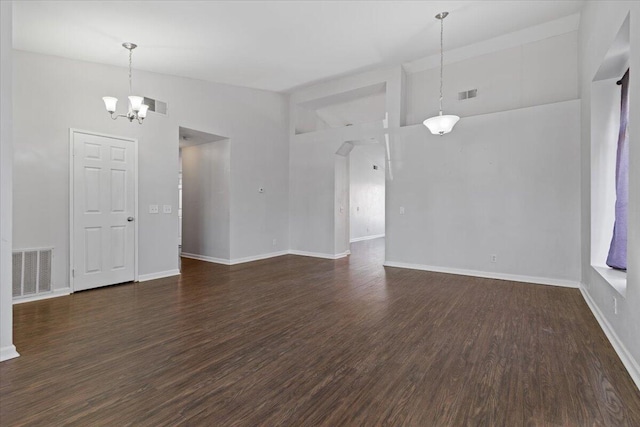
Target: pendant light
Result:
[[441, 124], [137, 110]]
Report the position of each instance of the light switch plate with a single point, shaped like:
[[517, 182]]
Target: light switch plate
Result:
[[166, 209], [153, 209]]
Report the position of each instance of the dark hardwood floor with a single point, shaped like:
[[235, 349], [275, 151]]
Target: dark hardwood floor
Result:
[[303, 341]]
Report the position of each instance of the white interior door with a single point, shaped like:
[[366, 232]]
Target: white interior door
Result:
[[103, 210]]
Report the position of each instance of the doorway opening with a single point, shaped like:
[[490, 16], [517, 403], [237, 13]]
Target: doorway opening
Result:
[[203, 196], [360, 194]]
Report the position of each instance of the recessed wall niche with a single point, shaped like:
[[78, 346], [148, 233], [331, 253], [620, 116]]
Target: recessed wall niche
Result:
[[605, 126], [361, 106]]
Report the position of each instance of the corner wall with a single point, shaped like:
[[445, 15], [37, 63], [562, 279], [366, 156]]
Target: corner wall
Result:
[[7, 349], [599, 24]]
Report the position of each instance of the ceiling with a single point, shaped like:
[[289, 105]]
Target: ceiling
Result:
[[271, 45]]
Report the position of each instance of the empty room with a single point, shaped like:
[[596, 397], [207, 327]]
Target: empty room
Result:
[[320, 213]]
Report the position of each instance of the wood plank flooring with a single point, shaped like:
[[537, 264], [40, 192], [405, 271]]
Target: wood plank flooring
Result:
[[305, 342]]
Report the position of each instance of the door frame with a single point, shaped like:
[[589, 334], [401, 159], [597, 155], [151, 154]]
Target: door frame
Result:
[[134, 141]]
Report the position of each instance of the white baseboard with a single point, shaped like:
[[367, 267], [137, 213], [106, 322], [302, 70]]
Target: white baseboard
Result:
[[158, 275], [487, 274], [263, 256], [360, 239], [258, 257], [53, 294], [627, 359], [8, 352], [223, 261], [319, 255]]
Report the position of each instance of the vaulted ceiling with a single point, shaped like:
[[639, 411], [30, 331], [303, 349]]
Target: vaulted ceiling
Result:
[[272, 45]]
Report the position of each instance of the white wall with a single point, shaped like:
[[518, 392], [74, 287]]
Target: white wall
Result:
[[500, 184], [57, 94], [599, 24], [205, 198], [366, 191], [534, 73], [503, 183], [7, 349]]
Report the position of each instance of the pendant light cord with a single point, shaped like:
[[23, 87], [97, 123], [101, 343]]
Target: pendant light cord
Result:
[[441, 59], [130, 53]]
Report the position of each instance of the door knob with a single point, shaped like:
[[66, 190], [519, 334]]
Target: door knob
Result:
[[130, 219]]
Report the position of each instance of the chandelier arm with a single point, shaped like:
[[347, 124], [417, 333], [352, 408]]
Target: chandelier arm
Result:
[[117, 116]]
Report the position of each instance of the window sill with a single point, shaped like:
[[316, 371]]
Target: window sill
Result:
[[616, 278]]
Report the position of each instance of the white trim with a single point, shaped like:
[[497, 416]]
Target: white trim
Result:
[[258, 257], [8, 352], [617, 279], [319, 255], [360, 239], [72, 131], [225, 261], [53, 294], [158, 275], [627, 359], [206, 258], [487, 274]]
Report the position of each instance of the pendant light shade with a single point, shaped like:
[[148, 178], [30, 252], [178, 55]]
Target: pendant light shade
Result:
[[136, 102], [442, 123], [110, 103]]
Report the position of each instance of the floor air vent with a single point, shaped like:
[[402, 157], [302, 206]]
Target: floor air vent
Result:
[[32, 272]]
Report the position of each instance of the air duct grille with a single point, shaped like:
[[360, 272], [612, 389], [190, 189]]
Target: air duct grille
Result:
[[156, 106], [31, 272], [467, 94]]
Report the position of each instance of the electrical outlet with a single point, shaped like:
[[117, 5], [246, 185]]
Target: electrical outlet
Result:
[[494, 258], [153, 209], [166, 209], [401, 210], [274, 242]]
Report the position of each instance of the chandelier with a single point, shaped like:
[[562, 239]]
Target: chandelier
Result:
[[137, 110], [441, 124]]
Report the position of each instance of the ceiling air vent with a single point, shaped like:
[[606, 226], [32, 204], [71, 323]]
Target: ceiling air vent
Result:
[[467, 94], [156, 106]]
